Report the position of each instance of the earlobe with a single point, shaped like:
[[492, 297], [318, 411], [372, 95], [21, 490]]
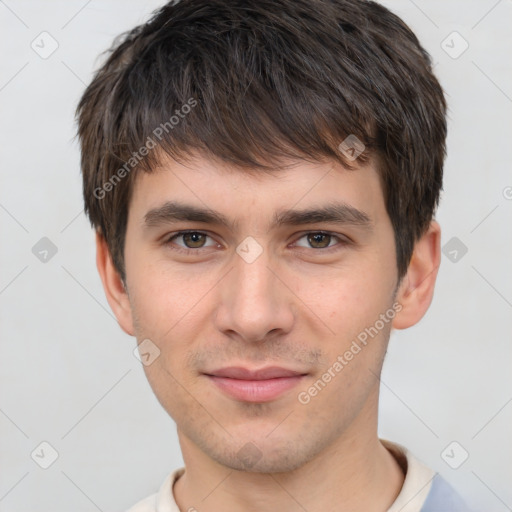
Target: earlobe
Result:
[[114, 288], [417, 287]]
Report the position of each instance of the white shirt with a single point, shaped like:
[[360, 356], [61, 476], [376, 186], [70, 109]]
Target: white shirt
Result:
[[423, 490]]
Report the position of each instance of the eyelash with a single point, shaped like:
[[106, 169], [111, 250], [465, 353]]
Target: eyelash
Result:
[[341, 242]]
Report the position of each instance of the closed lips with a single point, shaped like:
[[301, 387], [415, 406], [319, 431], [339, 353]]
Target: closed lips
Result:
[[240, 373]]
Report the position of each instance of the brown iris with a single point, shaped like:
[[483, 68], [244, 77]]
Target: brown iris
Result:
[[194, 240], [319, 240]]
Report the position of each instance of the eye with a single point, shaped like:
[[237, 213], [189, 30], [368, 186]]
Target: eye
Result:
[[191, 240], [319, 240]]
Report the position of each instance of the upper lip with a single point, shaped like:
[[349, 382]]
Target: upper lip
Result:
[[237, 372]]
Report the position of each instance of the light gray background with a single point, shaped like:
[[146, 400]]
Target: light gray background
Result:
[[68, 373]]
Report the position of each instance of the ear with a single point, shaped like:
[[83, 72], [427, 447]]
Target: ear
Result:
[[417, 287], [115, 291]]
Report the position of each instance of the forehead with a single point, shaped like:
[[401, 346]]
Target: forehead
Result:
[[250, 193]]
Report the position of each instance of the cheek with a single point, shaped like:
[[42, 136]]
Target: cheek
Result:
[[165, 298], [171, 309], [351, 307], [348, 299]]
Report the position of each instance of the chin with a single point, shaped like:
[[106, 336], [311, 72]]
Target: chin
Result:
[[261, 454], [251, 459]]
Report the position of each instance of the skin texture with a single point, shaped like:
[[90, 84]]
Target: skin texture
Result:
[[296, 306]]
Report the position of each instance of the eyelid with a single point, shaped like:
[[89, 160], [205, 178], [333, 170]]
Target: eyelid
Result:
[[342, 240], [169, 238]]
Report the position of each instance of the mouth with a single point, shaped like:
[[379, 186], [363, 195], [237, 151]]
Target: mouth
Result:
[[255, 386]]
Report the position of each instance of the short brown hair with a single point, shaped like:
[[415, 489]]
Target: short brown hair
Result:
[[264, 81]]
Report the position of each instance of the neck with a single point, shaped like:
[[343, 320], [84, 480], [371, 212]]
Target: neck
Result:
[[355, 473]]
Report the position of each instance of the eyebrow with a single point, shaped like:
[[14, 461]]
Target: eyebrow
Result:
[[337, 213]]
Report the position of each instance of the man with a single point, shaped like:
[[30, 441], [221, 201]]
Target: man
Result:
[[262, 177]]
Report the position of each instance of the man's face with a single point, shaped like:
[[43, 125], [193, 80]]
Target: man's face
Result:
[[269, 287]]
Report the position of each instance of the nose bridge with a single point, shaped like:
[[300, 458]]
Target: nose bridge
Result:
[[253, 302], [253, 280]]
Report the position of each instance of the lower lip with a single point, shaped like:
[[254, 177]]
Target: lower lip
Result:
[[256, 390]]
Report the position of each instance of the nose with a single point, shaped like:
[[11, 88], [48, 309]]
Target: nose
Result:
[[254, 302]]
